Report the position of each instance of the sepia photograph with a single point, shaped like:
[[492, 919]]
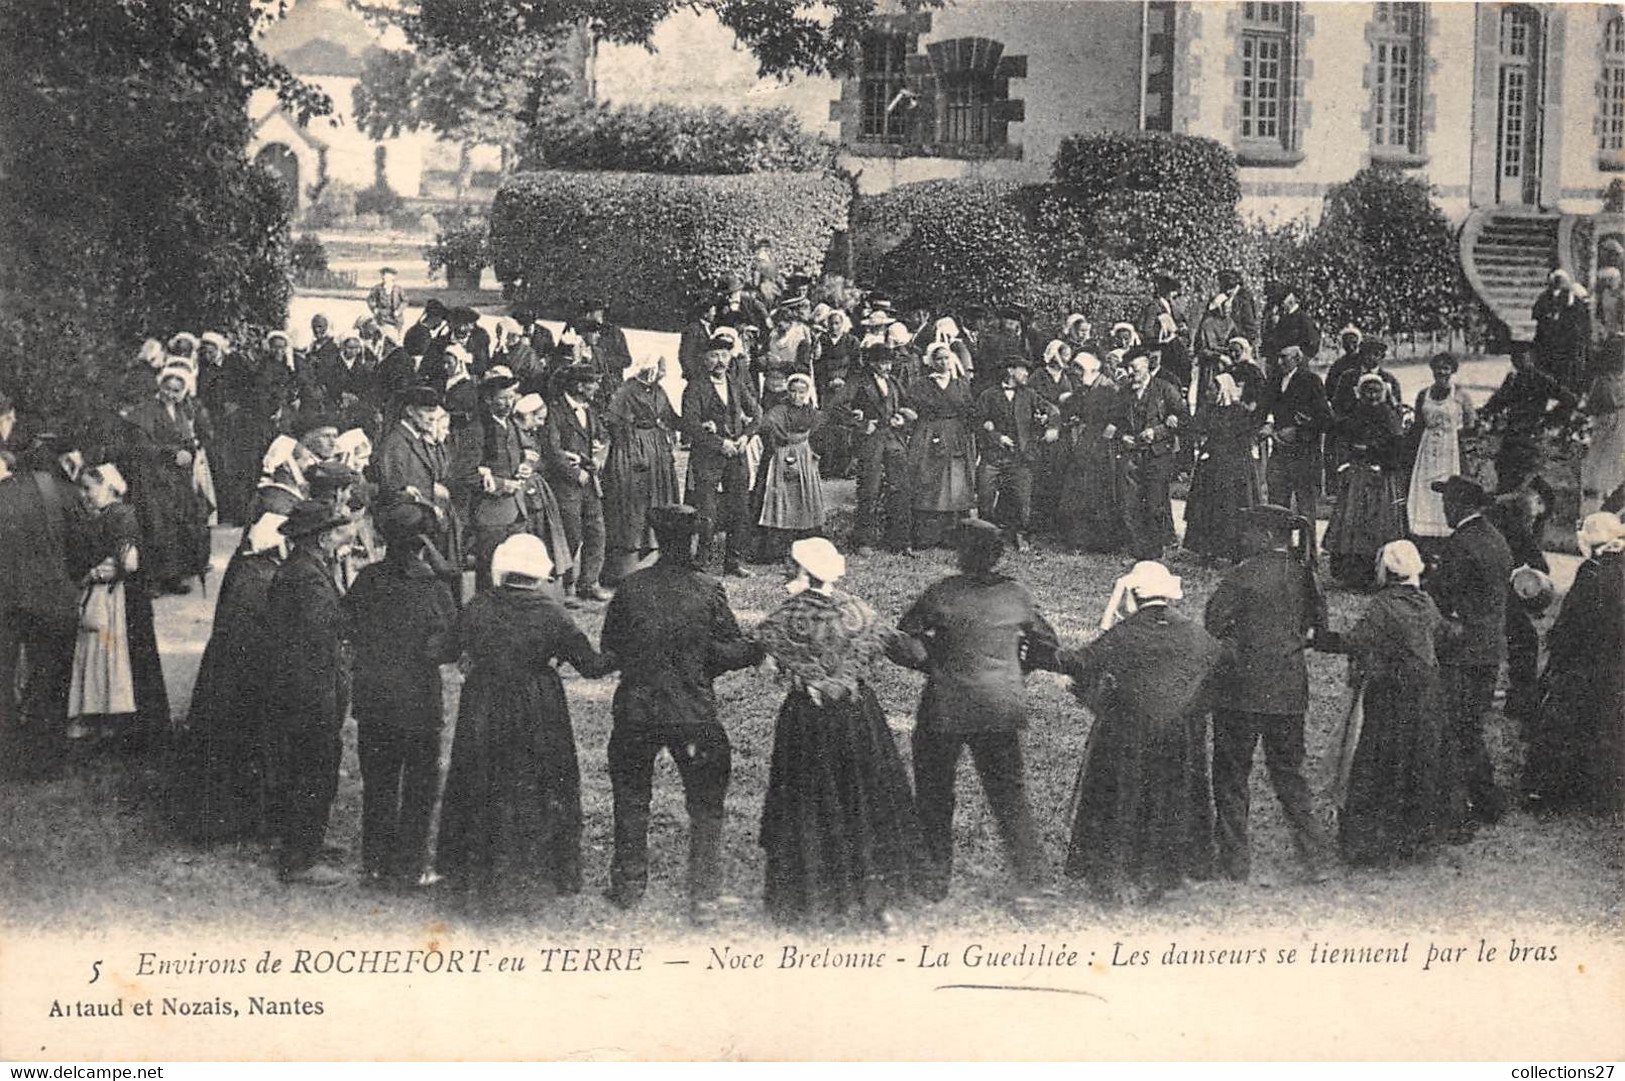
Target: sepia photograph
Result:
[[787, 530]]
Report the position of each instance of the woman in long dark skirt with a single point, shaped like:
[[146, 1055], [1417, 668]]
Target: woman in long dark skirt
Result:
[[787, 501], [1143, 821], [1390, 788], [838, 824], [640, 472], [1225, 480], [226, 779], [1091, 498], [1576, 755], [167, 432], [1368, 513], [941, 452], [510, 819]]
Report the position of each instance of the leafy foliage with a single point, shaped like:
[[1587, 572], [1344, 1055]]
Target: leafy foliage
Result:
[[1121, 208], [678, 139], [787, 36], [1383, 257], [128, 207], [652, 243], [308, 255], [463, 244]]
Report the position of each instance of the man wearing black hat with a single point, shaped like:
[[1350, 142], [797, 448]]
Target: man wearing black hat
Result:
[[410, 365], [1264, 611], [1014, 423], [876, 411], [611, 354], [571, 436], [1299, 416], [975, 635], [1470, 586], [498, 509], [1286, 323], [1161, 324], [720, 414], [395, 616], [1145, 421], [671, 626], [411, 466], [1003, 338], [307, 687]]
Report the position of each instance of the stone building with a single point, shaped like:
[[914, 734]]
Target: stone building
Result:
[[1515, 113]]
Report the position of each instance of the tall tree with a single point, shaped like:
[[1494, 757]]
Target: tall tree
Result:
[[460, 94], [128, 206]]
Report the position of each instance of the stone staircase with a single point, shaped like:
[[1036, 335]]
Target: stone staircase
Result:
[[1507, 255]]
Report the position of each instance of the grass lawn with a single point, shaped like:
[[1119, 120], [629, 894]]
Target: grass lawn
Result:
[[92, 848]]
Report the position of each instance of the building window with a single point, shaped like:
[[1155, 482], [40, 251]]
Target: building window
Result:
[[1397, 77], [1268, 47], [967, 102], [881, 83], [1611, 123]]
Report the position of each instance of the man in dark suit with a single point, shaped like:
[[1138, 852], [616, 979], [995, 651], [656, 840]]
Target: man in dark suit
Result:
[[1298, 417], [975, 635], [1015, 422], [498, 509], [1287, 324], [411, 365], [307, 688], [411, 465], [1264, 611], [610, 352], [1160, 325], [672, 627], [720, 413], [570, 436], [1145, 422], [873, 406], [43, 527], [1470, 586], [395, 615], [695, 340]]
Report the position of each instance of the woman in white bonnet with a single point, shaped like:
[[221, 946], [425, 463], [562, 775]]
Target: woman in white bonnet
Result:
[[1390, 788]]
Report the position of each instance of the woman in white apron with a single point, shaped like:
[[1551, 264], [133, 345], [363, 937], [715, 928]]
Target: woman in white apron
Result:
[[789, 490], [1443, 412], [117, 688]]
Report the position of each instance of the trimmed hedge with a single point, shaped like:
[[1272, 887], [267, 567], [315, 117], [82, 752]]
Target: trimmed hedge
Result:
[[1122, 207], [685, 139], [1383, 257], [651, 244]]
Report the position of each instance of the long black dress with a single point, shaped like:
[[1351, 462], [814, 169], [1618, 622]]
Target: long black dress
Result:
[[1577, 753], [225, 780], [1391, 777], [1144, 818], [1225, 481], [174, 514], [510, 820], [838, 824], [1091, 492]]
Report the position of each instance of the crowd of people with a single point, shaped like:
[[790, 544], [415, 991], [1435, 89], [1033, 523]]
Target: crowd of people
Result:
[[370, 473]]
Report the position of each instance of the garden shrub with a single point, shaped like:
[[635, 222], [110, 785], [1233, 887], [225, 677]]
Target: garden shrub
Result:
[[682, 139], [380, 199], [652, 244], [1383, 256]]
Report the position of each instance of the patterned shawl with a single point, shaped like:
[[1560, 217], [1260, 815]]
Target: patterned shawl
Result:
[[831, 639]]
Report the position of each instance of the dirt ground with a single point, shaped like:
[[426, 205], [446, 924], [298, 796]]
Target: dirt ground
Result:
[[93, 847]]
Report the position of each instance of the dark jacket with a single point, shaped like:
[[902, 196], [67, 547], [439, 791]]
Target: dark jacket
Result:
[[564, 437], [1471, 587], [1154, 670], [1159, 408], [862, 395], [1292, 328], [742, 415], [1022, 417], [975, 636], [405, 460], [1301, 406], [502, 451], [395, 616], [396, 372], [305, 681], [1263, 611], [672, 630], [44, 528]]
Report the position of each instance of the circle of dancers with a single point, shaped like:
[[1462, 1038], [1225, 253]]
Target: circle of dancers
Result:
[[372, 472]]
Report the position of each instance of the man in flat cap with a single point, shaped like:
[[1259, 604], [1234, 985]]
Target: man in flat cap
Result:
[[1470, 586], [1144, 423], [673, 628], [571, 436], [307, 687], [497, 509], [976, 634], [1265, 611], [720, 413], [387, 302]]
